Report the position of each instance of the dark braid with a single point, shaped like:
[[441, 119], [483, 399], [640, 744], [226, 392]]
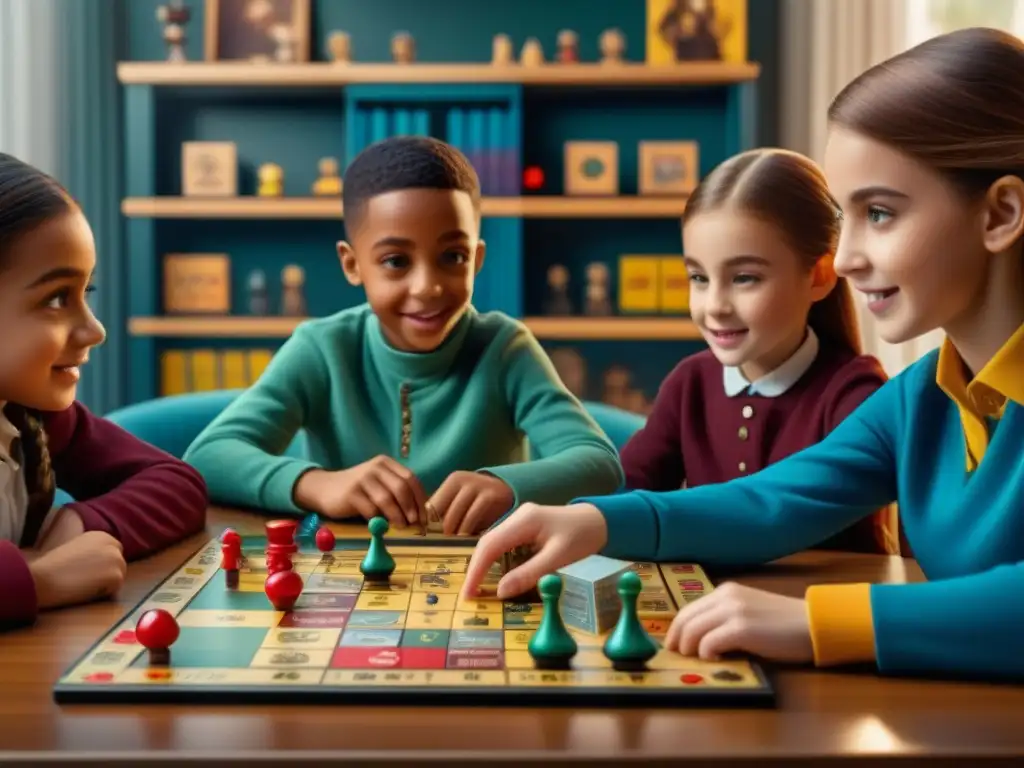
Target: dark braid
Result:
[[35, 458]]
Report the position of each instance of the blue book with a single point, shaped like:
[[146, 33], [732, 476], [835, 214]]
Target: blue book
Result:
[[378, 124], [420, 122], [403, 122], [475, 148]]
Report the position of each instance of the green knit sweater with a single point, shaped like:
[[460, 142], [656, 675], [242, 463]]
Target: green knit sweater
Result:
[[487, 399]]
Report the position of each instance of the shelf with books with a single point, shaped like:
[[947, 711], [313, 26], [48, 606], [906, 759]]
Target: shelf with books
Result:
[[329, 74], [677, 328], [529, 206]]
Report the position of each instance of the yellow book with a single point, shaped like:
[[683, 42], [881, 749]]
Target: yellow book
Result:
[[234, 368], [638, 283], [173, 373], [675, 285], [205, 371], [259, 359]]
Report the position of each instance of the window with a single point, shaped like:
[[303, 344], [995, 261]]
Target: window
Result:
[[928, 18]]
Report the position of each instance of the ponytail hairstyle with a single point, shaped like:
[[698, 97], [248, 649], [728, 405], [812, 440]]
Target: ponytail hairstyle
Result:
[[954, 103], [789, 191], [28, 198]]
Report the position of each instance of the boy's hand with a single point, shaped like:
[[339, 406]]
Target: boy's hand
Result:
[[380, 486], [469, 502], [88, 567]]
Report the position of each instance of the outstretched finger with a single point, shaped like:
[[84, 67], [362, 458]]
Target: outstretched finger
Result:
[[520, 527]]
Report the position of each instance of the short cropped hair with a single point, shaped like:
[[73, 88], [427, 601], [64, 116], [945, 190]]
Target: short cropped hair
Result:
[[405, 162]]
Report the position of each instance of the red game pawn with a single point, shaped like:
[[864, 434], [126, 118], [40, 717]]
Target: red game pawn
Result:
[[157, 630], [229, 557], [230, 537], [277, 562], [281, 536], [325, 539], [283, 588]]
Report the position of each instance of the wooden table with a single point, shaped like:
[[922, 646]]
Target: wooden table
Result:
[[821, 718]]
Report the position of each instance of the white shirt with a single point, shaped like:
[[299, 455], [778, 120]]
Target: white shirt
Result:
[[13, 492], [778, 381]]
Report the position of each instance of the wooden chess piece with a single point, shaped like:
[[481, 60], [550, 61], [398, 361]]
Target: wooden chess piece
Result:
[[259, 301], [174, 16], [403, 48], [501, 50], [597, 302], [558, 302], [271, 180], [532, 54], [613, 46], [339, 44], [284, 39], [571, 369], [568, 47], [293, 300], [329, 182]]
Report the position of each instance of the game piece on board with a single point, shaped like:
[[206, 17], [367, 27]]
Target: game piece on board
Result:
[[590, 599], [309, 526], [229, 557], [629, 647], [325, 539], [431, 598], [281, 535], [231, 538], [156, 631], [551, 646], [277, 562], [378, 565], [283, 589]]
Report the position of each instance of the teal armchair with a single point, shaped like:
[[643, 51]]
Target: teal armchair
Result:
[[172, 423]]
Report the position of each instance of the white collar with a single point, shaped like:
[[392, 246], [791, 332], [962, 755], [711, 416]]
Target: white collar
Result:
[[8, 434], [780, 380]]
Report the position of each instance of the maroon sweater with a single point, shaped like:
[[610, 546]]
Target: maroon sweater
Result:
[[696, 434], [145, 498]]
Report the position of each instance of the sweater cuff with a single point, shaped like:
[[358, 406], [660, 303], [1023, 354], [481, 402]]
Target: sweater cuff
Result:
[[631, 524], [842, 630], [279, 490], [19, 604]]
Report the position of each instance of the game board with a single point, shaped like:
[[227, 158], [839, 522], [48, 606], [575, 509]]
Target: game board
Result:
[[409, 641]]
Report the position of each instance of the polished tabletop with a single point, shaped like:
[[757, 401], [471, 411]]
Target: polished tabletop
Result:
[[821, 717]]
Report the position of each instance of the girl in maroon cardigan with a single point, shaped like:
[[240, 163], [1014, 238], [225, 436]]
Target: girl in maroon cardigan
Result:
[[784, 365], [131, 499]]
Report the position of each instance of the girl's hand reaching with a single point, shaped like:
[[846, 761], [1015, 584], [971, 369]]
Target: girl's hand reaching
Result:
[[559, 536]]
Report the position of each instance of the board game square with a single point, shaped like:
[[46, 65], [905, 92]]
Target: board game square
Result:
[[366, 658], [468, 639], [425, 638], [422, 658], [332, 583], [376, 619], [212, 647], [322, 600], [366, 638], [324, 619], [483, 658], [217, 597]]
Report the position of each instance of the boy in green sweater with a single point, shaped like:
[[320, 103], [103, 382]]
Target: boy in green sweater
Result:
[[415, 405]]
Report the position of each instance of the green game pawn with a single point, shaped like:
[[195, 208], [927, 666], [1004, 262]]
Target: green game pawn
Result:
[[378, 565], [629, 647], [552, 647]]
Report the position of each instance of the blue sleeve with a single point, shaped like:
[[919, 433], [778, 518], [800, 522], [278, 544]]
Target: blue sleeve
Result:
[[972, 625], [786, 507]]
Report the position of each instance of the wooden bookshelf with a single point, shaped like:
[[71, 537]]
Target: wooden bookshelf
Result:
[[535, 207], [324, 74], [552, 328]]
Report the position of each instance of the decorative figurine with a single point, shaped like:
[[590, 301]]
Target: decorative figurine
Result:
[[558, 303], [568, 47], [597, 301], [293, 301], [340, 46], [271, 180], [174, 16], [571, 369], [259, 301], [329, 182], [501, 50], [613, 46], [532, 54], [403, 48]]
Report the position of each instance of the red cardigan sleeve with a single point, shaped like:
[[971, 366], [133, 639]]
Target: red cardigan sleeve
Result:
[[144, 497], [18, 597], [652, 459]]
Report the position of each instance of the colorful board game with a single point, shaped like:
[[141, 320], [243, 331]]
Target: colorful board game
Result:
[[346, 638]]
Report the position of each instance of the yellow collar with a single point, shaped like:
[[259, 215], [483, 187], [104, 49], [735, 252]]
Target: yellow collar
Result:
[[1002, 377]]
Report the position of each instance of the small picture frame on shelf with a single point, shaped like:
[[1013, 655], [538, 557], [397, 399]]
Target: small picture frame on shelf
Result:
[[668, 167], [197, 284], [257, 30]]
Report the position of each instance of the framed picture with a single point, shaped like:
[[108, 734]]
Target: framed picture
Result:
[[668, 167], [257, 30], [696, 30]]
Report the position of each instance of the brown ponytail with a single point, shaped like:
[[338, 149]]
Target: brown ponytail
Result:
[[789, 191], [39, 479]]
